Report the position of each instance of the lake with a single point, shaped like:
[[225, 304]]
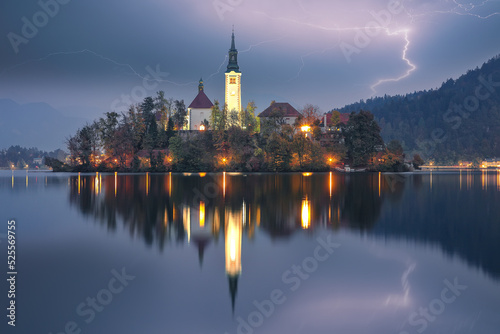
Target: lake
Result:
[[257, 253]]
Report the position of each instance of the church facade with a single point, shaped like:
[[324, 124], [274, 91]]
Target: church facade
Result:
[[200, 109]]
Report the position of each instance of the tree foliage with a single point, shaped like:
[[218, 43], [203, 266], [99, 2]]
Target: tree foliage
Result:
[[458, 121], [362, 136]]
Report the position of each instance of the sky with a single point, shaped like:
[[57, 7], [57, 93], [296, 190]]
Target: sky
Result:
[[89, 57]]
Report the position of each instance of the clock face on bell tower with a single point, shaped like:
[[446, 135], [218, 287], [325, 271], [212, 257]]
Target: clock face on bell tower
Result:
[[233, 80]]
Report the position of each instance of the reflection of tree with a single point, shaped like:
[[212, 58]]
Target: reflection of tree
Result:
[[362, 201], [159, 207], [462, 222], [166, 208]]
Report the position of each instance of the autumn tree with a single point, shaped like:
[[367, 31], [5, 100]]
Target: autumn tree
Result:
[[334, 119], [107, 127], [249, 121], [310, 114]]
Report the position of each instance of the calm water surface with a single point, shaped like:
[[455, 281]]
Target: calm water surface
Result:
[[227, 253]]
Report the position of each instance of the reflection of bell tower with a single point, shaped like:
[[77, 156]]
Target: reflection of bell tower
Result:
[[234, 230], [233, 80]]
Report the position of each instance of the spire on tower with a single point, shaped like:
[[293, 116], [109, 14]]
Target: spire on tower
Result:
[[233, 57], [233, 47]]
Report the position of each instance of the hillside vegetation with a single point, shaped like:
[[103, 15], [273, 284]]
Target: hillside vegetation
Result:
[[458, 121]]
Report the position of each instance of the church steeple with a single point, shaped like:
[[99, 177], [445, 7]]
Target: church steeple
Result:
[[232, 41], [233, 57], [233, 80]]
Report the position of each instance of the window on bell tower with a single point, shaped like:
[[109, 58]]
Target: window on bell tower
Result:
[[232, 81]]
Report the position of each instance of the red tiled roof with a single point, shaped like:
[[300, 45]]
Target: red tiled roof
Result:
[[286, 108], [201, 101]]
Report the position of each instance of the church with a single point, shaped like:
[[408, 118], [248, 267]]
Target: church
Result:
[[200, 109]]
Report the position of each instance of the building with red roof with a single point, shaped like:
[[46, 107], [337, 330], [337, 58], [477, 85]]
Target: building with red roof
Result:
[[281, 109], [199, 110]]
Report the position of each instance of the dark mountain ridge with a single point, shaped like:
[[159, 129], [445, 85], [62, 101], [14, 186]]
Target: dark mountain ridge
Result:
[[458, 121], [35, 125]]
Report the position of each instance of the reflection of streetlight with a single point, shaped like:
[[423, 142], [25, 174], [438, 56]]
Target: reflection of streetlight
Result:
[[202, 214], [306, 214]]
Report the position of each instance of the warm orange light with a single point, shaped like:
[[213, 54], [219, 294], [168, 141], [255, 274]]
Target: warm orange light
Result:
[[331, 183], [96, 184], [305, 128], [202, 214], [202, 127], [306, 214], [202, 174], [307, 174]]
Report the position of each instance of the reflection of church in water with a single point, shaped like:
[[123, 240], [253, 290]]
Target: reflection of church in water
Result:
[[202, 225]]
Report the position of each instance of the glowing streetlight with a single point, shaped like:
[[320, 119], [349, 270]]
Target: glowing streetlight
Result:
[[202, 127]]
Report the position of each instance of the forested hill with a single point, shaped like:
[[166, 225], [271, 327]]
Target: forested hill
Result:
[[458, 121]]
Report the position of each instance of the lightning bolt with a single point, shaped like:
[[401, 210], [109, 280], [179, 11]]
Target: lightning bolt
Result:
[[458, 9], [463, 9], [411, 66], [404, 57], [466, 8]]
